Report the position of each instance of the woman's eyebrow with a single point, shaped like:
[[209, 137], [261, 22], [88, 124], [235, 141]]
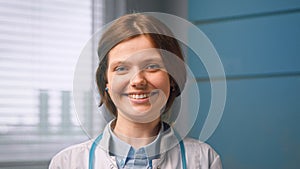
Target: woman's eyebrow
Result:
[[153, 59], [118, 62], [130, 62], [113, 64]]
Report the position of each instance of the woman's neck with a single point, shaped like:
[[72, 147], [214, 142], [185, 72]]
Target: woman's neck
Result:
[[134, 133]]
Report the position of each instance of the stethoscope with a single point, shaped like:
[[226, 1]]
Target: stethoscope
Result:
[[98, 139]]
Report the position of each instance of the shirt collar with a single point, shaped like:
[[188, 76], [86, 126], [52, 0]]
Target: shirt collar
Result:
[[121, 148], [165, 140], [117, 146]]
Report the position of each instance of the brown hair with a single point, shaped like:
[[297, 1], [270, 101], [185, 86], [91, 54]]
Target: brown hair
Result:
[[130, 26]]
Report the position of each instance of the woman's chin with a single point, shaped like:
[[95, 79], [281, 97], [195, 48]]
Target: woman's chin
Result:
[[142, 115]]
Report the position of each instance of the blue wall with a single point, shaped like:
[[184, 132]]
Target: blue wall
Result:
[[259, 45]]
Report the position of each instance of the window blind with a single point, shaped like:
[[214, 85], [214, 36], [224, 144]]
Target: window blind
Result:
[[40, 42]]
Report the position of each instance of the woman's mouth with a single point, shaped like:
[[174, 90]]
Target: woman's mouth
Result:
[[139, 96]]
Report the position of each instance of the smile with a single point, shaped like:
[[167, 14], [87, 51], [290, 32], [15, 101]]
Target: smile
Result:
[[139, 96]]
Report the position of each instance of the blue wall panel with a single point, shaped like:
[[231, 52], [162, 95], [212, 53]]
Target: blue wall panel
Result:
[[211, 9], [259, 45], [260, 125], [261, 57]]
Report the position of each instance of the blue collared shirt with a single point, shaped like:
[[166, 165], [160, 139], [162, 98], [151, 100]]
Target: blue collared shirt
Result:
[[129, 157]]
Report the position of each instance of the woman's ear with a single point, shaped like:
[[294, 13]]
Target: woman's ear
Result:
[[106, 88]]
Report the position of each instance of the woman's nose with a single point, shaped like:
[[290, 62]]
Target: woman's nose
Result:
[[138, 80]]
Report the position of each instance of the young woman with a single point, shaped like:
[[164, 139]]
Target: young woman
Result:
[[141, 72]]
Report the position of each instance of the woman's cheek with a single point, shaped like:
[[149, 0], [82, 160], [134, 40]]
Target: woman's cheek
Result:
[[161, 81], [119, 83]]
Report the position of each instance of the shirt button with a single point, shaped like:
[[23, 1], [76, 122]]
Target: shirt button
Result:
[[122, 163]]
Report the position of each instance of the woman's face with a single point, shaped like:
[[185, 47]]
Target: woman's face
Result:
[[138, 82]]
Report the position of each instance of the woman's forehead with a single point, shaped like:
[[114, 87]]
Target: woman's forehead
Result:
[[139, 48], [139, 57], [132, 45]]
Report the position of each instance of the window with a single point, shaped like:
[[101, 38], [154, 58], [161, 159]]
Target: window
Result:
[[40, 42]]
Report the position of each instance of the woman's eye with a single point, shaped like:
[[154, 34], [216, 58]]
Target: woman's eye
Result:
[[120, 69], [153, 67]]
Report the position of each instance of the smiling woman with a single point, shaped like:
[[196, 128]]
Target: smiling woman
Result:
[[137, 81], [140, 73], [157, 36]]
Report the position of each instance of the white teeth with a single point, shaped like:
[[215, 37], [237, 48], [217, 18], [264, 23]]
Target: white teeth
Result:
[[139, 96]]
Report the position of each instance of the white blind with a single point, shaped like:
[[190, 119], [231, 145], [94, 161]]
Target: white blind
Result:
[[40, 41]]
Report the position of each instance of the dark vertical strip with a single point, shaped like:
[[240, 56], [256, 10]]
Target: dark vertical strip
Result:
[[65, 111], [43, 111]]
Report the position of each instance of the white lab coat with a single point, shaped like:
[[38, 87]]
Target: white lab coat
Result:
[[199, 155]]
